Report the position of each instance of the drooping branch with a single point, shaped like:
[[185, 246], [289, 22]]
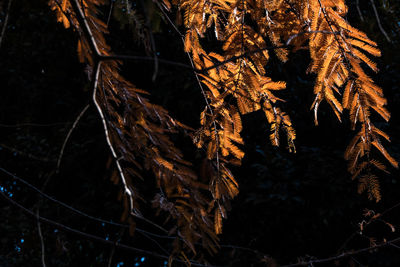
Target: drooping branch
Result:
[[142, 131], [69, 135], [378, 20]]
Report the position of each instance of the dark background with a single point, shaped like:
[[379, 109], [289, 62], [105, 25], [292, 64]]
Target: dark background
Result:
[[289, 206]]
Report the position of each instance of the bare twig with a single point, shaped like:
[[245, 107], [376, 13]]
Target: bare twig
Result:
[[141, 231], [366, 223], [29, 155], [197, 78], [215, 65], [110, 259], [395, 246], [29, 124], [152, 41], [3, 30], [90, 236], [149, 222], [168, 19], [41, 238], [344, 254], [158, 244], [354, 252], [129, 57], [69, 135], [89, 216], [112, 254], [110, 12], [356, 261], [92, 42], [379, 21], [85, 27], [359, 10], [59, 202], [127, 190], [154, 254], [343, 246], [390, 209]]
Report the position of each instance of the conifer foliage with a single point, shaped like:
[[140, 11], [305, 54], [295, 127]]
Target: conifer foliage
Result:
[[234, 80]]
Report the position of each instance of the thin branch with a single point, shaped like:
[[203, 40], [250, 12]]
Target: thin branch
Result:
[[87, 215], [3, 30], [197, 79], [250, 52], [289, 40], [158, 244], [93, 237], [343, 246], [127, 190], [372, 219], [216, 65], [41, 238], [67, 14], [168, 19], [141, 231], [69, 135], [112, 254], [359, 10], [110, 12], [85, 27], [242, 248], [59, 202], [327, 19], [128, 57], [29, 155], [344, 254], [379, 21], [390, 209], [113, 248], [152, 41], [356, 261], [18, 125], [129, 248], [149, 222], [208, 107]]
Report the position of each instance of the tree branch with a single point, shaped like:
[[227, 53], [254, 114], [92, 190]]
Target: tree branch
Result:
[[128, 57], [359, 10], [69, 135], [127, 190], [29, 155], [3, 30], [343, 254], [85, 27], [379, 21], [152, 41], [41, 238], [93, 237], [141, 231]]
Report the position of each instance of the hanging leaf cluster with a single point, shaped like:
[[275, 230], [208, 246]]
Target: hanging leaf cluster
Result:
[[138, 134], [235, 80], [248, 32]]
